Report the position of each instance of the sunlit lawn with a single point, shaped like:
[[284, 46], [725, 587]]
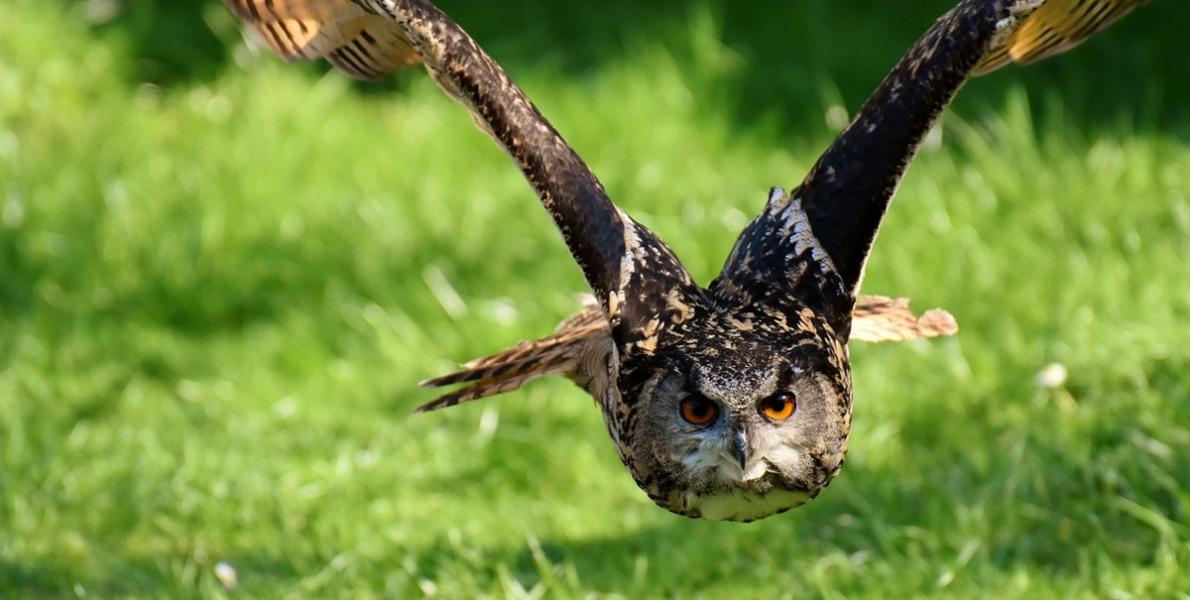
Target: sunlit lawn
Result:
[[217, 296]]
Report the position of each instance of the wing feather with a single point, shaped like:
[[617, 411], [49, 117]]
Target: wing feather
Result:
[[563, 352], [880, 319], [1056, 27], [359, 43]]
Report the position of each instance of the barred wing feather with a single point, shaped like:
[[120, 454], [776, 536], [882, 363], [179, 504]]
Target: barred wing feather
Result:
[[359, 43]]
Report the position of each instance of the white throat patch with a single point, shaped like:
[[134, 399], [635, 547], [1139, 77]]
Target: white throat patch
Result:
[[742, 505]]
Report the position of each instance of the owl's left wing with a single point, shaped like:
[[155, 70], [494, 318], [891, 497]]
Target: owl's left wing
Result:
[[359, 43], [809, 247], [813, 243]]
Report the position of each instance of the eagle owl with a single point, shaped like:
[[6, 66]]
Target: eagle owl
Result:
[[730, 401]]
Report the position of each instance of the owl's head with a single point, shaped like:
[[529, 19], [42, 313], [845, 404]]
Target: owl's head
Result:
[[746, 425]]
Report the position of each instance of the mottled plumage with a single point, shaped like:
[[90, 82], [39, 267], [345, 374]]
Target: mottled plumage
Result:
[[731, 401], [579, 346]]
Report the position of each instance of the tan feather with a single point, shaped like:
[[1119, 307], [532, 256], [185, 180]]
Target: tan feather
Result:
[[1056, 27], [578, 339], [508, 370], [357, 42], [881, 319]]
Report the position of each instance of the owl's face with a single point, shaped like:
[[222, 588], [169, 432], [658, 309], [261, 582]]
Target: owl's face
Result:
[[743, 429]]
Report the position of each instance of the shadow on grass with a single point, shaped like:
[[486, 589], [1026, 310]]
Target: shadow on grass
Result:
[[31, 581], [905, 531]]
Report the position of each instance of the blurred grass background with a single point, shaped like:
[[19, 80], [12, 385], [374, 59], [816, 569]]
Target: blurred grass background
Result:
[[221, 278]]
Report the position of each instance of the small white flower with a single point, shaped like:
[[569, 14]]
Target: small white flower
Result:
[[226, 574], [1052, 376]]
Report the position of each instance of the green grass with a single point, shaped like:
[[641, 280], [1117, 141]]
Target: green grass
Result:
[[217, 295]]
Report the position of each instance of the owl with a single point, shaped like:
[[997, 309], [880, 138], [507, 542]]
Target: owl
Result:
[[730, 401]]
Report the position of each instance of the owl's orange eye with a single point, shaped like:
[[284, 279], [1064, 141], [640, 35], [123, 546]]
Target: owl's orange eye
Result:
[[698, 410], [778, 407]]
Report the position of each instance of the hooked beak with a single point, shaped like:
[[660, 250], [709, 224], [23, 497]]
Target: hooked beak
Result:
[[739, 447]]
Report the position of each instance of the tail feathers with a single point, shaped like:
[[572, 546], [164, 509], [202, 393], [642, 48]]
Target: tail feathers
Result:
[[881, 319]]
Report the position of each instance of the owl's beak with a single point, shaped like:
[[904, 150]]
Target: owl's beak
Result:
[[739, 447]]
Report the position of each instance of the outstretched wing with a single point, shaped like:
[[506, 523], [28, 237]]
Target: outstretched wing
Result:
[[810, 246], [633, 274], [359, 43], [817, 239], [580, 344], [1056, 27]]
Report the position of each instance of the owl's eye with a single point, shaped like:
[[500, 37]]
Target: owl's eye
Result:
[[697, 410], [779, 406]]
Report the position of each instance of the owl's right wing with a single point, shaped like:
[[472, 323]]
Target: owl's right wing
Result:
[[634, 275]]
